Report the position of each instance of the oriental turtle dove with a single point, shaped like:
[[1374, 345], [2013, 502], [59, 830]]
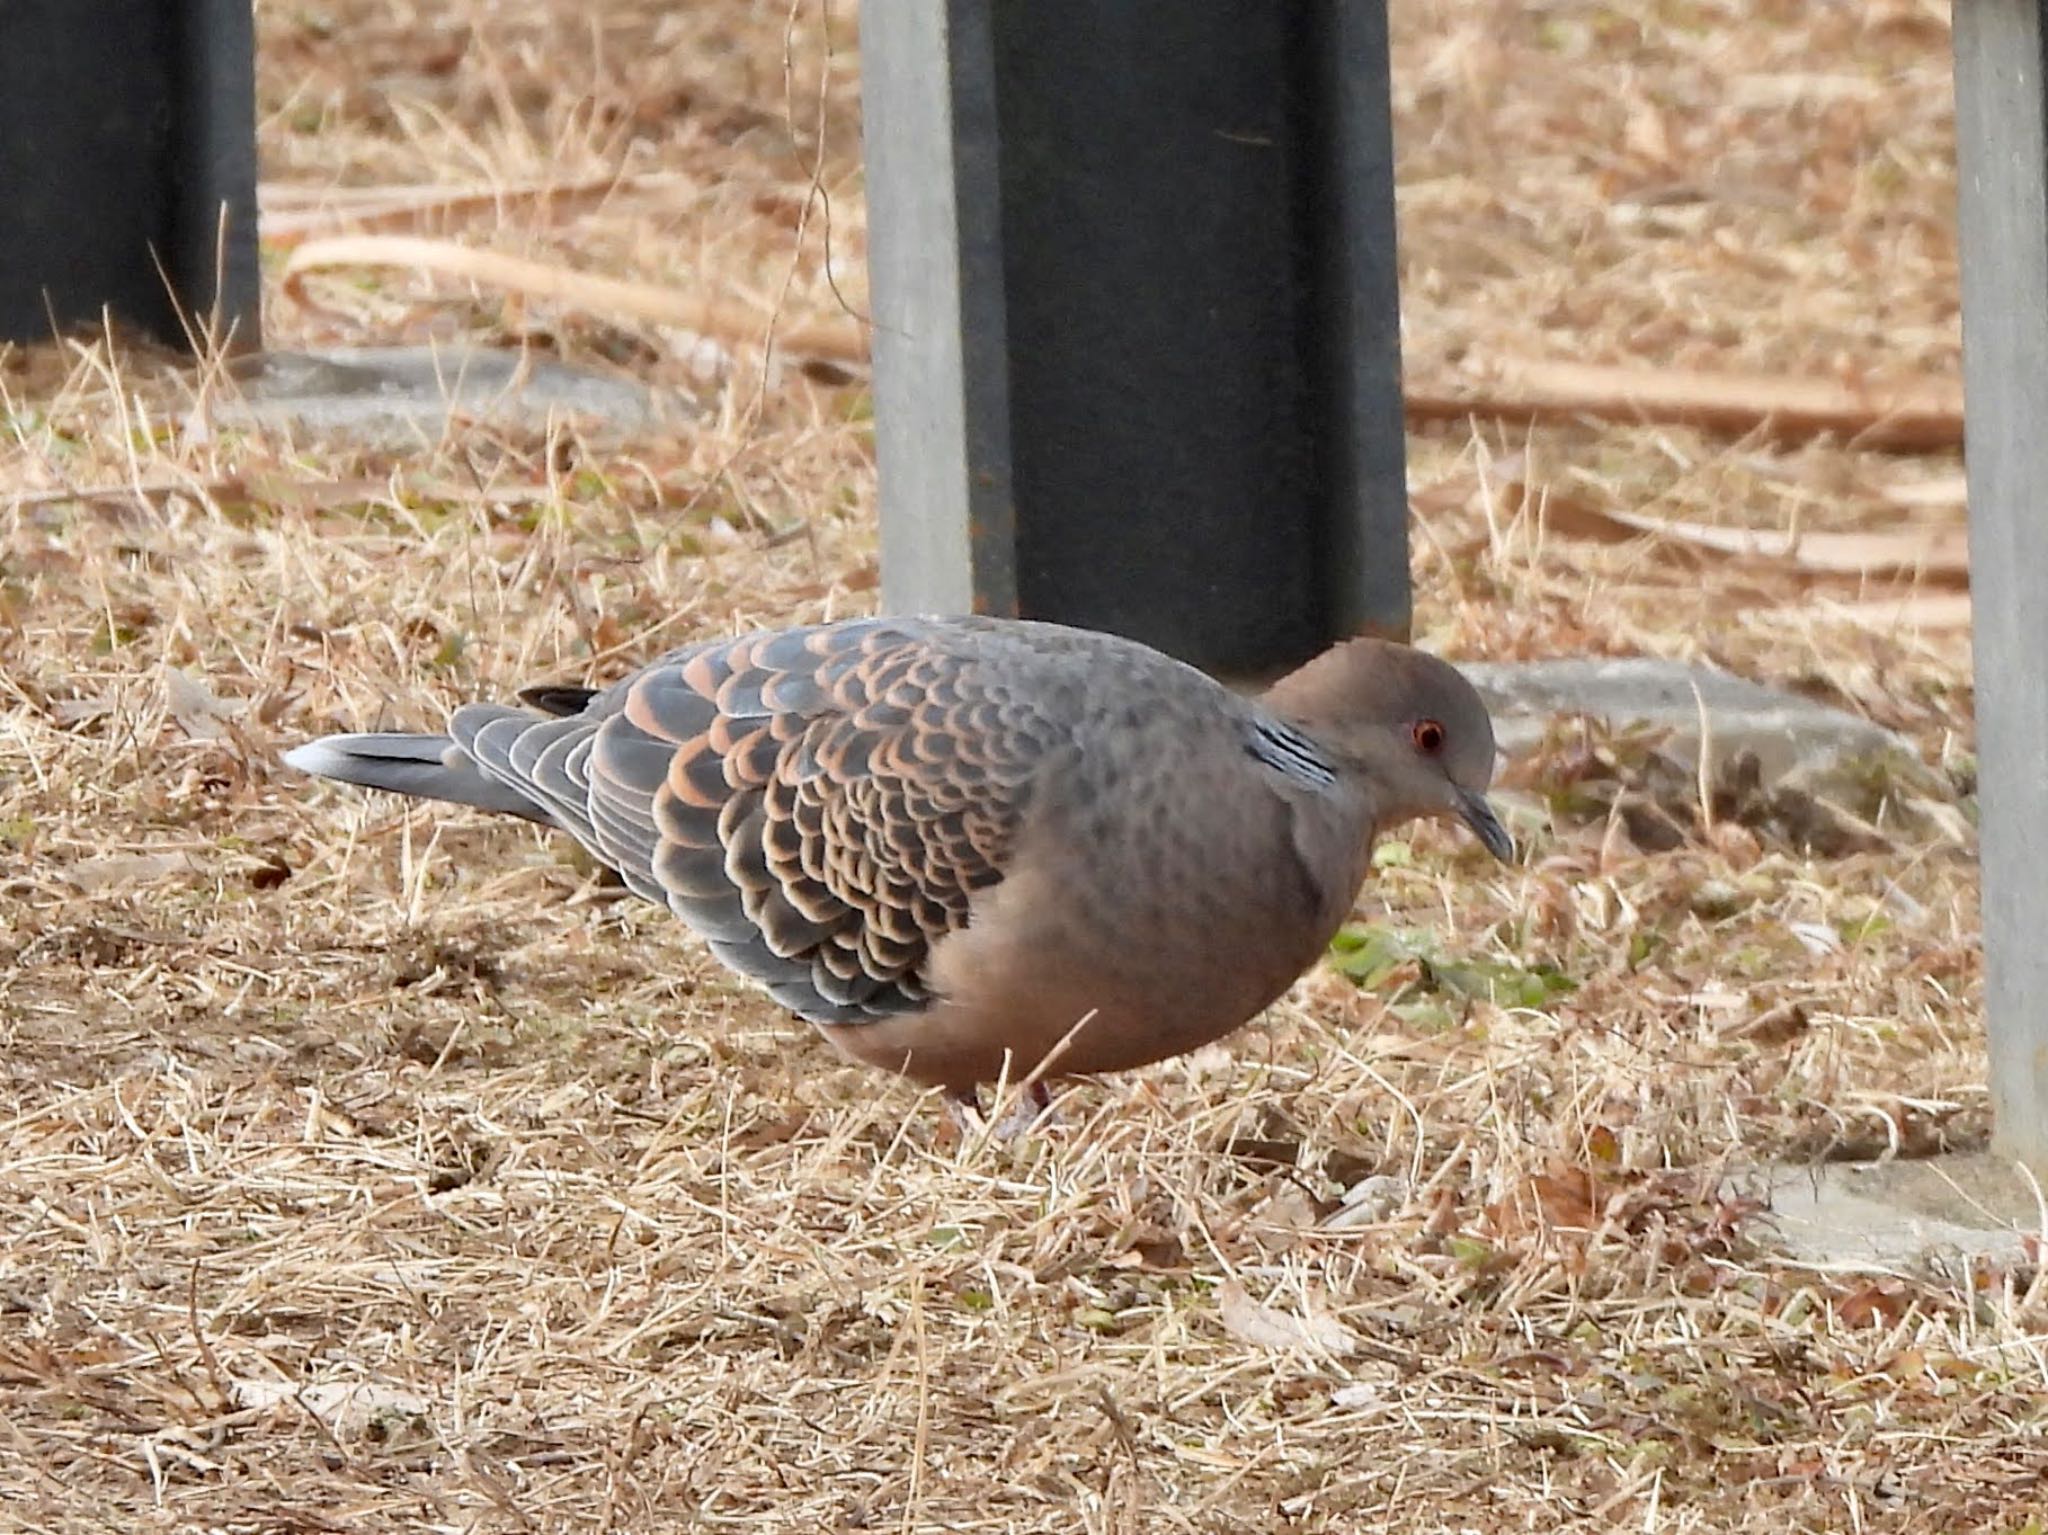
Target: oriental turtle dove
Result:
[[971, 847]]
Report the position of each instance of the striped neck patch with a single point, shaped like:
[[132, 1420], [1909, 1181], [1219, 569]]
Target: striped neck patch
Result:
[[1288, 752]]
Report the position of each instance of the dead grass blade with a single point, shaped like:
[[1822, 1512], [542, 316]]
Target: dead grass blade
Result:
[[737, 324], [293, 215], [1922, 611], [1914, 417], [1936, 554]]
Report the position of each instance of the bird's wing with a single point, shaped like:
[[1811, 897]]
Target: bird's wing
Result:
[[820, 804]]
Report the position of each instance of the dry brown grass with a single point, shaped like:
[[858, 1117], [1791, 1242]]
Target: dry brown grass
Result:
[[368, 1169]]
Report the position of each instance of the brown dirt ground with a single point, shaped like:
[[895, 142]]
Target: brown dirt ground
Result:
[[365, 1168]]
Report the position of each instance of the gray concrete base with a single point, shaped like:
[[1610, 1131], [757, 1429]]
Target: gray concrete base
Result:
[[1931, 1217], [1816, 776], [406, 397], [1784, 732]]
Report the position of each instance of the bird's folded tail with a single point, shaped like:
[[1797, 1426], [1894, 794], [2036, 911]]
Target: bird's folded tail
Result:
[[422, 766]]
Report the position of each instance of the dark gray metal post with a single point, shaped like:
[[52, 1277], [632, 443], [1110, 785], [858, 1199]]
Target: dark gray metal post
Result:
[[1137, 338], [2002, 160], [125, 128]]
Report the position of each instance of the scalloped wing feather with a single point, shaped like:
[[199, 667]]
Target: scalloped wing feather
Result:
[[821, 804]]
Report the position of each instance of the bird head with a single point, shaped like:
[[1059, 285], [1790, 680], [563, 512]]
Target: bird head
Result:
[[1408, 724]]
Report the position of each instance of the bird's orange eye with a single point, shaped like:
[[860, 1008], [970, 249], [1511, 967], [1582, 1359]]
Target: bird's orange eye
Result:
[[1429, 737]]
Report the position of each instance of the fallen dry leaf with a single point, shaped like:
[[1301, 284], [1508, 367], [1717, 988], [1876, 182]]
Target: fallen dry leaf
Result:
[[1280, 1331], [121, 870], [199, 711], [1872, 1305], [348, 1408]]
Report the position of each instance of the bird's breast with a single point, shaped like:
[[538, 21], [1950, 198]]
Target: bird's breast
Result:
[[1121, 937]]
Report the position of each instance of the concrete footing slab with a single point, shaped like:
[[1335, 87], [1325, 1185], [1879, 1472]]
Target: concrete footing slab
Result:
[[1930, 1217], [402, 397]]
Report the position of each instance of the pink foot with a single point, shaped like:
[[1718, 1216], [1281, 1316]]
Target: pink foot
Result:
[[1031, 1106]]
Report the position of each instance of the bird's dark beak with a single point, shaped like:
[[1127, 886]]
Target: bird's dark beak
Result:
[[1477, 814]]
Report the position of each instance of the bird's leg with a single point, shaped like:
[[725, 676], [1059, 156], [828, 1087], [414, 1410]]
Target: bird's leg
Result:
[[1032, 1105], [963, 1107]]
